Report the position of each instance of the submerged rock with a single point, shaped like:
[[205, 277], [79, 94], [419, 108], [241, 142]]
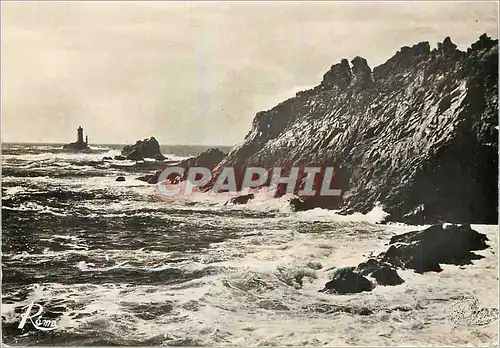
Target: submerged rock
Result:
[[243, 199], [346, 281], [308, 203], [383, 273]]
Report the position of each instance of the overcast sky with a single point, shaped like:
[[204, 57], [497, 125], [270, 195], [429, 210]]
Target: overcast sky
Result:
[[193, 73]]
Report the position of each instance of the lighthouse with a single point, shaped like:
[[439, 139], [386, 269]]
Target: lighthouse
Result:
[[79, 144], [79, 138]]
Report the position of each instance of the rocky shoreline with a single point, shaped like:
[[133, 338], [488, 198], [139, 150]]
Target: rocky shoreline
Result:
[[417, 135], [422, 251]]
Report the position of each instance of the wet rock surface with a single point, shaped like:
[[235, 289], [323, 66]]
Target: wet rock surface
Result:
[[243, 199], [345, 281], [207, 159], [421, 251], [424, 250], [383, 273]]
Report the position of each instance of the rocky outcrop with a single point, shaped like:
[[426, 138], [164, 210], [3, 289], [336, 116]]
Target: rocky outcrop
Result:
[[421, 251], [345, 281], [417, 134], [382, 272], [243, 199], [207, 159], [339, 75], [307, 203], [365, 277], [147, 148]]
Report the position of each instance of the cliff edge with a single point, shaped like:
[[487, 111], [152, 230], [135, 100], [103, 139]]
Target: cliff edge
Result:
[[419, 133]]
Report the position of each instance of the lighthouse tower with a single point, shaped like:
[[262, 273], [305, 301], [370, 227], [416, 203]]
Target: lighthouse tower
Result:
[[79, 139], [79, 144]]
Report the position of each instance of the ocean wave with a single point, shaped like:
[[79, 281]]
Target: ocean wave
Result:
[[264, 203], [42, 209], [59, 156], [116, 264], [254, 298], [375, 216]]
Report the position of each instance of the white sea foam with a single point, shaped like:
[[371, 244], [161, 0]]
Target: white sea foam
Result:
[[265, 203], [59, 156], [245, 289], [250, 301]]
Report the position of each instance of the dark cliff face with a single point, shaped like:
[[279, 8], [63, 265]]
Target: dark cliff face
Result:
[[417, 134]]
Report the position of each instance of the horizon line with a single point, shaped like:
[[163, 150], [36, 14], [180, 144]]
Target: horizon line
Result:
[[63, 143]]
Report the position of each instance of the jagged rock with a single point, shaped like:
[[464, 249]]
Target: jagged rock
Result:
[[419, 137], [107, 158], [405, 58], [339, 75], [307, 203], [421, 251], [424, 250], [134, 155], [344, 212], [386, 275], [120, 158], [448, 48], [383, 273], [300, 204], [120, 178], [243, 199], [207, 159], [153, 178], [147, 148], [361, 72], [345, 281], [484, 43]]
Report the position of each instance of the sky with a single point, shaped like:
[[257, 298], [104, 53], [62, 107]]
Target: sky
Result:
[[194, 73]]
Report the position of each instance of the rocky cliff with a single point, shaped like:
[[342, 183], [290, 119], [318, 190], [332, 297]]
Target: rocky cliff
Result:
[[418, 133]]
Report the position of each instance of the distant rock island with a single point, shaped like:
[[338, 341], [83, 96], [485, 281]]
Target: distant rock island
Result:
[[147, 148], [79, 144]]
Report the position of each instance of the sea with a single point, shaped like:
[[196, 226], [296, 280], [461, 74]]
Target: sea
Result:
[[109, 263]]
